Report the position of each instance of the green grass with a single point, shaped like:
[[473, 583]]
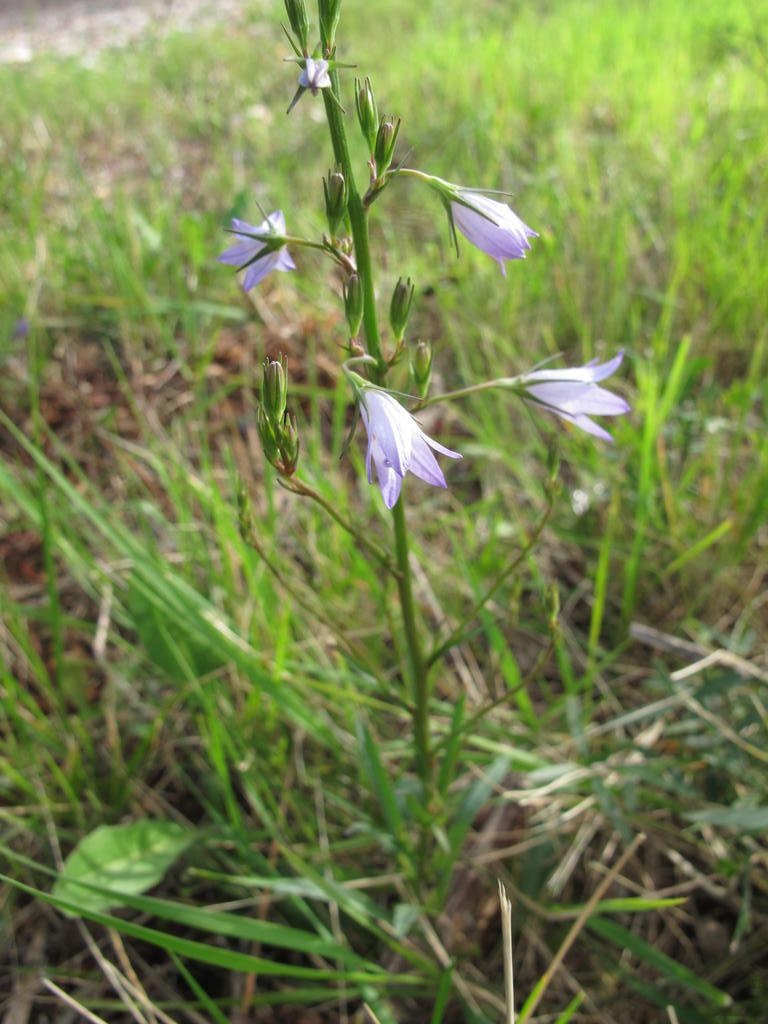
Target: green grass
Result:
[[156, 665]]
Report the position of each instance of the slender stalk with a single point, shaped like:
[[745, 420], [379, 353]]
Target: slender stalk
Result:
[[298, 486], [358, 222], [359, 225], [418, 667], [449, 396], [457, 634]]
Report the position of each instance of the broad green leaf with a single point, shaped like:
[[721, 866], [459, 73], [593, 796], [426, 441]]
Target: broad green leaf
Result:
[[121, 858]]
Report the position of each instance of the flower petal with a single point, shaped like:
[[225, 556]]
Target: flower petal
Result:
[[259, 270], [573, 395], [390, 481], [492, 226], [424, 464], [576, 398], [390, 426], [241, 252], [275, 222], [245, 253], [587, 374], [315, 75], [441, 448], [284, 261], [397, 444]]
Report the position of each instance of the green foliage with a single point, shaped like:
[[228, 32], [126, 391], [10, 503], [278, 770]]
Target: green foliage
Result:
[[157, 666], [118, 860]]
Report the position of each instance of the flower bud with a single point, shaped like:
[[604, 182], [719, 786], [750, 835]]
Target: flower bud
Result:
[[421, 366], [289, 445], [367, 114], [353, 303], [335, 189], [274, 389], [267, 437], [329, 11], [386, 137], [400, 307], [297, 16]]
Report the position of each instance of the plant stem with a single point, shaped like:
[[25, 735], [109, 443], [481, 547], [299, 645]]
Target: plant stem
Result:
[[457, 634], [418, 667], [449, 396], [358, 223], [297, 486]]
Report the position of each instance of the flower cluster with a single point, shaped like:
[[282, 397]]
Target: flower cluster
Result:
[[396, 443]]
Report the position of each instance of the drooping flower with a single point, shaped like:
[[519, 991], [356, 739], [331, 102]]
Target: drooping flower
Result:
[[258, 256], [492, 226], [314, 75], [397, 445], [574, 395]]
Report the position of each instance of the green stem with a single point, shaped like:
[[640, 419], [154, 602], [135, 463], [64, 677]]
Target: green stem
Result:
[[298, 486], [358, 222], [500, 382], [458, 633], [359, 225], [418, 667]]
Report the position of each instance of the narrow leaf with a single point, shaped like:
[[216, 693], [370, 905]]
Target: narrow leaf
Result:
[[671, 969]]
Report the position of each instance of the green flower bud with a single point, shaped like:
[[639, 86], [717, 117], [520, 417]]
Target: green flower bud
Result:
[[329, 11], [386, 137], [274, 389], [421, 366], [297, 16], [353, 303], [267, 437], [400, 307], [289, 445], [367, 114], [335, 189]]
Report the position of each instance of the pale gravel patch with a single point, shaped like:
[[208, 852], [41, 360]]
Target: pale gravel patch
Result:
[[79, 28]]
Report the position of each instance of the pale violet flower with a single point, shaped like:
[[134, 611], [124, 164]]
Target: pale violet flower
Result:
[[315, 75], [397, 445], [258, 257], [492, 226], [574, 395]]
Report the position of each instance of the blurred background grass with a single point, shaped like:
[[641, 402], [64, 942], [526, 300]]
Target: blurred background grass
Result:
[[155, 665]]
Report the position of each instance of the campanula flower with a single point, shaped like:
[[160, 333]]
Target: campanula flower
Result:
[[492, 226], [397, 445], [574, 395], [314, 75], [258, 256]]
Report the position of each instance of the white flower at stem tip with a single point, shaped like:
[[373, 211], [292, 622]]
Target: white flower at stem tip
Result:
[[397, 445]]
